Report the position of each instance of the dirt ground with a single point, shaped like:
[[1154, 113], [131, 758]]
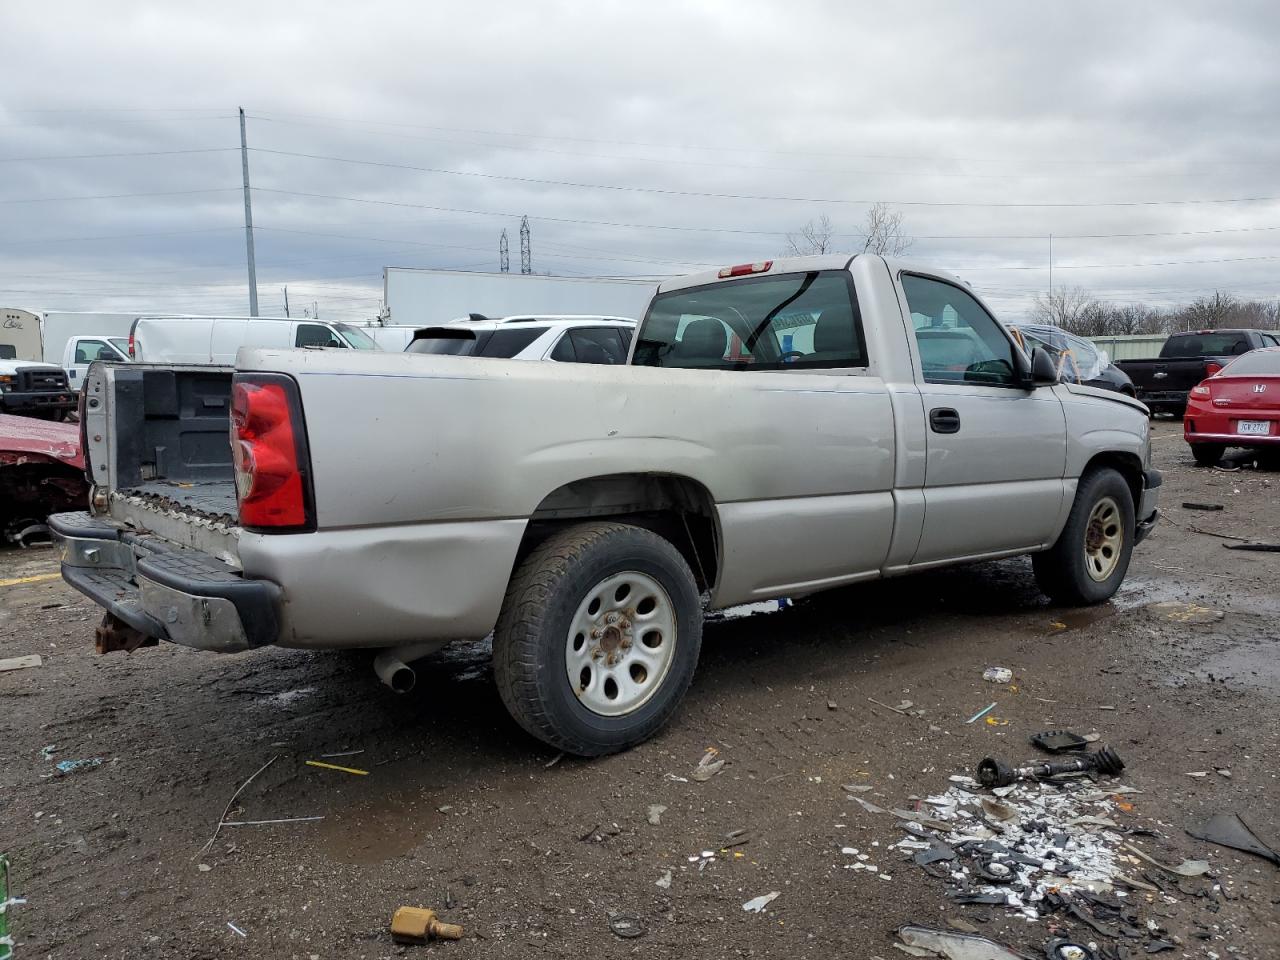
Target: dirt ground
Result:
[[460, 811]]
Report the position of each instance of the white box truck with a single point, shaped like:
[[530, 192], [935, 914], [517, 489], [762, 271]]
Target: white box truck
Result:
[[422, 298]]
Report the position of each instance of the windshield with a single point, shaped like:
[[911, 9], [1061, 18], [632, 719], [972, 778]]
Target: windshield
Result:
[[121, 344], [357, 338], [757, 323]]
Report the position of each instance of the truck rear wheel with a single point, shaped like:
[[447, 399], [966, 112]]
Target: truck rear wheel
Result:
[[1090, 558], [598, 638]]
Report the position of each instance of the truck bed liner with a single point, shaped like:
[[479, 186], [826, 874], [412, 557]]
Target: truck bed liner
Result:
[[210, 499]]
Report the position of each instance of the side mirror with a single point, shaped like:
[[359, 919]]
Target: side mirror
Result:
[[1043, 371]]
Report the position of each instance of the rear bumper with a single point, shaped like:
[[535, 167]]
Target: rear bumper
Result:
[[21, 400], [1163, 397], [1148, 507], [1233, 439], [163, 590]]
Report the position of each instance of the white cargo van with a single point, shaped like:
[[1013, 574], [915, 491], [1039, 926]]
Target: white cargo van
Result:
[[215, 340]]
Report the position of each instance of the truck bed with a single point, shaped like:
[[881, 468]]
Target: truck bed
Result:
[[158, 444]]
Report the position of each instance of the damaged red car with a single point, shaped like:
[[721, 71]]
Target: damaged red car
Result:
[[1239, 406], [41, 472]]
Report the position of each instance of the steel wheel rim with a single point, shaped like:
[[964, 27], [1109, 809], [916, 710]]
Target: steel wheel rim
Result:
[[1103, 539], [621, 644]]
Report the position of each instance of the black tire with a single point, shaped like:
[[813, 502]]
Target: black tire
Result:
[[529, 642], [1208, 454], [1062, 570]]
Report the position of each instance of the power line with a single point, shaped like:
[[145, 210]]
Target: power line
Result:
[[1117, 266], [664, 191], [120, 196], [110, 236], [99, 156], [800, 153]]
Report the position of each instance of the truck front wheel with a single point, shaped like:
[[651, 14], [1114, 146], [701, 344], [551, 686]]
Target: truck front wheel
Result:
[[1088, 562], [598, 638]]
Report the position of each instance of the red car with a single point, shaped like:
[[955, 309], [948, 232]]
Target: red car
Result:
[[1237, 407]]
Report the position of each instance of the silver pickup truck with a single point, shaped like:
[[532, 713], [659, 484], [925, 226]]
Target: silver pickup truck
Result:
[[781, 428]]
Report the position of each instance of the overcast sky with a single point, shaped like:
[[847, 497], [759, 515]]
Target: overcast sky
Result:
[[640, 139]]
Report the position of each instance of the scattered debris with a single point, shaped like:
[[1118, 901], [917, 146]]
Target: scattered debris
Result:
[[997, 674], [218, 829], [48, 750], [934, 853], [1058, 741], [832, 705], [1191, 505], [1230, 830], [1186, 612], [264, 823], [981, 713], [237, 930], [1257, 547], [334, 766], [955, 946], [757, 904], [340, 753], [553, 761], [1223, 772], [20, 663], [1069, 950], [857, 787], [1159, 946], [1198, 774], [994, 773], [900, 708], [626, 925], [664, 881], [71, 766], [1187, 868], [997, 810], [655, 813], [418, 925], [708, 766]]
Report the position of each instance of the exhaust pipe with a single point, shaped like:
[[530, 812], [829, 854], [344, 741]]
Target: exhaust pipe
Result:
[[392, 664]]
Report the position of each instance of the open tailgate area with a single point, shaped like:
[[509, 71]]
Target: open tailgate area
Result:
[[158, 444]]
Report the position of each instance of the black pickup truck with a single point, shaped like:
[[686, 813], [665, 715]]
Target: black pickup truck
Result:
[[1162, 383]]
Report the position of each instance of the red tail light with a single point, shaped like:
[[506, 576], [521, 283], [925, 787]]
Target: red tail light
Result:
[[131, 354], [1211, 368], [269, 448], [745, 269]]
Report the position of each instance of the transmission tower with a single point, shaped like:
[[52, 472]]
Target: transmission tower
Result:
[[526, 254], [504, 254]]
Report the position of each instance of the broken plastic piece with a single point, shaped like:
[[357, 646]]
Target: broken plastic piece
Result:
[[626, 926], [757, 904], [1187, 868], [71, 766], [956, 946], [997, 674], [1230, 830], [981, 713], [1056, 741], [418, 925]]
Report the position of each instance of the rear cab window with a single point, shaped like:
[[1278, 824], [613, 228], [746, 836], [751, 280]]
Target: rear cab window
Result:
[[792, 321], [1207, 344], [316, 335]]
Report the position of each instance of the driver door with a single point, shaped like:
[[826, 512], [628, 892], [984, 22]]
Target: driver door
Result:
[[995, 451]]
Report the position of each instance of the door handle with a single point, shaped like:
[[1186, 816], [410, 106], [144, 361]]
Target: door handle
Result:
[[944, 420]]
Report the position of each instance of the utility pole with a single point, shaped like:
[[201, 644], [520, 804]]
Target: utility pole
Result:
[[286, 299], [248, 221], [526, 253], [1051, 268], [504, 253]]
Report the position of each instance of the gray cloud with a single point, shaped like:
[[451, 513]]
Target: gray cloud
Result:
[[942, 103]]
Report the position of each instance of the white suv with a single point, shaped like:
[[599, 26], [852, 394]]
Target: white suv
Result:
[[562, 339]]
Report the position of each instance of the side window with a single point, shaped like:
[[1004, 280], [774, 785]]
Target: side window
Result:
[[508, 342], [316, 335], [564, 351], [1270, 341], [88, 351], [959, 341], [598, 345]]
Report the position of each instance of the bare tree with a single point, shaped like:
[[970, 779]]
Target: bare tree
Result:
[[1071, 308], [815, 237], [1209, 313], [883, 233]]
